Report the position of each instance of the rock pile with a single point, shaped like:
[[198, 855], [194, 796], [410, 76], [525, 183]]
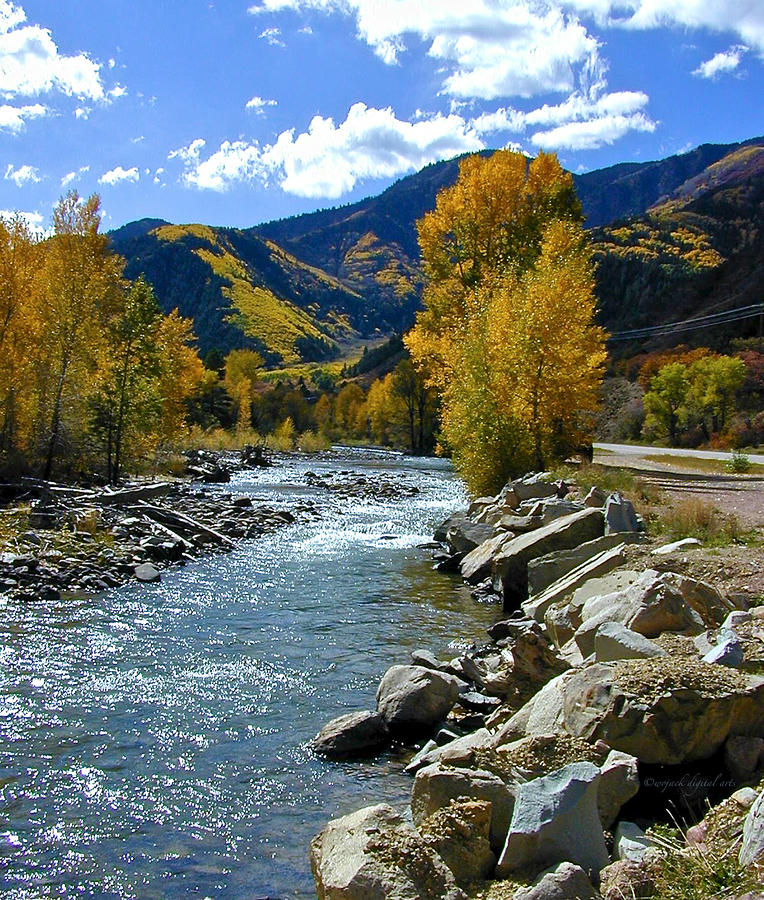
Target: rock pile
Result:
[[599, 675]]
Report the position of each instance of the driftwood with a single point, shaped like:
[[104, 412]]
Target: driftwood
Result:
[[179, 522], [133, 494]]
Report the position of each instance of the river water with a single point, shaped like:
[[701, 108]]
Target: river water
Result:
[[153, 739]]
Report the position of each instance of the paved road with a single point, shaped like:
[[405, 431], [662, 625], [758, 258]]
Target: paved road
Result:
[[632, 450]]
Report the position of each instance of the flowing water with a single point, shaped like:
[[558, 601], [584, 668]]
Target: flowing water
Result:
[[153, 739]]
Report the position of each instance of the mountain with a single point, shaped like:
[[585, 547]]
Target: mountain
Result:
[[698, 250], [297, 288]]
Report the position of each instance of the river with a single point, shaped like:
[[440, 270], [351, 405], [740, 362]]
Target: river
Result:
[[153, 738]]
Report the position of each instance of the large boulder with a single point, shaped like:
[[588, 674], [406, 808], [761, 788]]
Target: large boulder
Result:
[[435, 786], [618, 784], [510, 569], [414, 699], [477, 565], [552, 566], [464, 535], [534, 487], [599, 565], [373, 854], [459, 834], [555, 820], [354, 734], [654, 603], [666, 711]]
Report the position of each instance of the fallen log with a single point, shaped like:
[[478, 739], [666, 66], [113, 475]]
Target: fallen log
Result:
[[181, 523]]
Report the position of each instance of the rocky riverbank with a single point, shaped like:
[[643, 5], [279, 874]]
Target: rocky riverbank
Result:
[[619, 697], [58, 540]]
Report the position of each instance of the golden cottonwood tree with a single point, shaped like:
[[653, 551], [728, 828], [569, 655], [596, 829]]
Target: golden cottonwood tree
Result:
[[507, 330]]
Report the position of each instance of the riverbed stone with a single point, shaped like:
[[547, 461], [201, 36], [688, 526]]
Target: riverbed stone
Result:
[[435, 786], [534, 487], [555, 820], [510, 569], [464, 535], [413, 699], [374, 854], [147, 573], [478, 563], [353, 734]]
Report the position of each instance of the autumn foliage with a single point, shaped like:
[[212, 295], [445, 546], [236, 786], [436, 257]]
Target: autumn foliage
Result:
[[507, 332], [92, 374]]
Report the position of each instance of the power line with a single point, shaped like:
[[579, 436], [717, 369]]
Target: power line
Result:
[[720, 318]]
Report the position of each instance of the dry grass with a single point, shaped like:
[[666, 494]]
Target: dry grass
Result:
[[693, 517], [697, 464]]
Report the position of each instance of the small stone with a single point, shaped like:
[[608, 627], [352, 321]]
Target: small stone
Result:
[[684, 544], [631, 842], [564, 882], [147, 573], [354, 734]]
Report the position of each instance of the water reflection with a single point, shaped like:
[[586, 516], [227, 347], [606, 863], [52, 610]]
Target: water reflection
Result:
[[152, 741]]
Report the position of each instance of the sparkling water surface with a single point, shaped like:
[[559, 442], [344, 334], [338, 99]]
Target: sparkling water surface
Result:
[[153, 739]]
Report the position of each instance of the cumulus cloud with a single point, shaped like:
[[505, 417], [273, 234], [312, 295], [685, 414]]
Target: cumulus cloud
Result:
[[721, 63], [73, 176], [118, 175], [592, 133], [14, 118], [33, 219], [189, 154], [23, 175], [258, 105], [490, 48], [328, 160], [30, 62]]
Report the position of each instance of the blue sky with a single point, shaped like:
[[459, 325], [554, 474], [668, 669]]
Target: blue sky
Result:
[[234, 112]]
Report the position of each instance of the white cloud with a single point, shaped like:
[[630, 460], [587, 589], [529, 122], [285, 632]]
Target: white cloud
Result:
[[505, 119], [490, 48], [14, 118], [593, 133], [31, 64], [328, 160], [720, 63], [23, 175], [119, 90], [190, 153], [118, 175], [258, 105], [73, 176], [272, 36], [82, 112]]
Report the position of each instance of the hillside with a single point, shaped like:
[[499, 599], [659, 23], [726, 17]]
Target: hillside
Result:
[[699, 250], [687, 239]]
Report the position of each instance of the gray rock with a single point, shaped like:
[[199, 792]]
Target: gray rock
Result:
[[534, 487], [412, 698], [561, 622], [615, 641], [520, 524], [620, 515], [628, 880], [735, 618], [425, 659], [555, 819], [510, 570], [435, 786], [422, 758], [147, 573], [464, 536], [618, 784], [752, 849], [547, 569], [555, 508], [537, 605], [354, 734], [727, 653], [565, 882], [478, 563], [630, 842], [373, 854]]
